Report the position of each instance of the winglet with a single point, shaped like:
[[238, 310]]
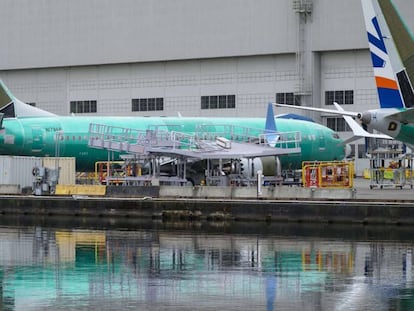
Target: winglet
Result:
[[270, 127]]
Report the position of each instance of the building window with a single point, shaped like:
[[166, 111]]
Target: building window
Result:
[[231, 101], [148, 104], [341, 97], [218, 102], [83, 106], [337, 124], [204, 102], [213, 102], [151, 104], [288, 99], [159, 104], [222, 102]]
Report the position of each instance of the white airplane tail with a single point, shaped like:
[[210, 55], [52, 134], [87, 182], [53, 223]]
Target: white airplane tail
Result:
[[403, 44], [392, 53], [385, 79], [12, 107]]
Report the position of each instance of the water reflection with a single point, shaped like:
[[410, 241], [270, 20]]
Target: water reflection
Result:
[[159, 269]]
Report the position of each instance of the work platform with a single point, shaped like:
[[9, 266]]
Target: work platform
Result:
[[214, 143], [207, 142]]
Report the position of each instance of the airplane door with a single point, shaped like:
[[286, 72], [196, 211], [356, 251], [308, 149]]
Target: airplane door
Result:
[[38, 139], [322, 142]]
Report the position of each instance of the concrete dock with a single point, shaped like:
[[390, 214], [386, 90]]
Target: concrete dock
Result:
[[377, 206], [387, 194]]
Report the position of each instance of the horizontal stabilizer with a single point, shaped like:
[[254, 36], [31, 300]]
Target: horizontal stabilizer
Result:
[[357, 130], [360, 132], [341, 112], [294, 117]]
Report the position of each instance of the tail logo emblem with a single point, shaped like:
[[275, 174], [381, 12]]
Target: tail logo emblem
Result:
[[378, 42]]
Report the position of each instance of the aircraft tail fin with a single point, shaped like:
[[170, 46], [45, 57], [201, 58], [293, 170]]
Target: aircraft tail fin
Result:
[[6, 96], [270, 126], [382, 50], [404, 44], [12, 107]]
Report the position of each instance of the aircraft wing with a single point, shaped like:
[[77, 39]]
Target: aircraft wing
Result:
[[404, 116], [359, 132]]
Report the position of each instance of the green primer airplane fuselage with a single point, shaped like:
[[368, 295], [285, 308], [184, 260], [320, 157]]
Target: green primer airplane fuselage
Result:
[[406, 134], [36, 136]]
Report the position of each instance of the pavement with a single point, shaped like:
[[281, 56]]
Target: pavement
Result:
[[388, 192]]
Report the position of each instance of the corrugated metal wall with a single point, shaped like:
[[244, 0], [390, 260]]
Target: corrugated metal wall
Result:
[[16, 170]]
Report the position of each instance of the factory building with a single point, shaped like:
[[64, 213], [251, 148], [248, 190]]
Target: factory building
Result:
[[193, 57]]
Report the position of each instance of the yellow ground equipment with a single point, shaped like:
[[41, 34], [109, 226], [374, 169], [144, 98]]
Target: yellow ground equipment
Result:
[[109, 172], [390, 168], [320, 174]]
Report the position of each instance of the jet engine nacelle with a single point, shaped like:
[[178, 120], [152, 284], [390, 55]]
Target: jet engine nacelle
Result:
[[270, 166]]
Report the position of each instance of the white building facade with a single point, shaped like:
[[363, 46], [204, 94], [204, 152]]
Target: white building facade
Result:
[[195, 57]]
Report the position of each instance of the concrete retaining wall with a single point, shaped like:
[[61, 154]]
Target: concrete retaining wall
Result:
[[196, 192], [133, 191], [214, 210], [292, 193]]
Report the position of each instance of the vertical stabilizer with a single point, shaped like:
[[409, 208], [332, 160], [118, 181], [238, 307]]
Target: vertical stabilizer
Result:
[[5, 95], [401, 35], [385, 78], [12, 107], [404, 43], [270, 127], [270, 119]]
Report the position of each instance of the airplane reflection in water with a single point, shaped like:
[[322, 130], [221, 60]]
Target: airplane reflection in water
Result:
[[42, 268]]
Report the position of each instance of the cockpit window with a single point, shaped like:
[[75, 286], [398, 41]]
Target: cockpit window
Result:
[[335, 135]]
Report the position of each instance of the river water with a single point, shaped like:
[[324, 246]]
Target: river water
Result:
[[106, 264]]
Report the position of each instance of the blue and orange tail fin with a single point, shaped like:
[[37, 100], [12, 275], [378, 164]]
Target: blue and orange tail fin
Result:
[[385, 78]]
